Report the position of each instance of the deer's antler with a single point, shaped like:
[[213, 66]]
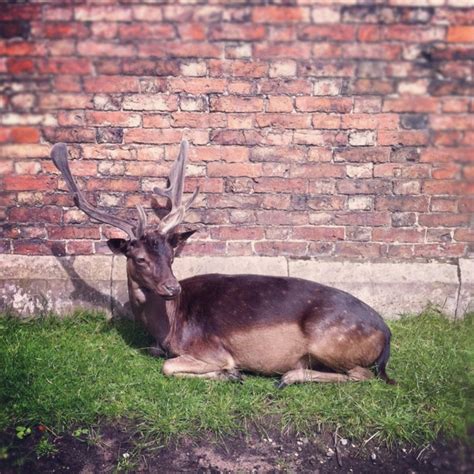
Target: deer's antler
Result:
[[174, 192], [59, 156]]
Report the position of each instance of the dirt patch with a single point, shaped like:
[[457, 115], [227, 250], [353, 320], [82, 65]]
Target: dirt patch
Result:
[[114, 447]]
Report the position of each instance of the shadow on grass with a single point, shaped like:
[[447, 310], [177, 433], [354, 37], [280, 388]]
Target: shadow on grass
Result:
[[132, 332]]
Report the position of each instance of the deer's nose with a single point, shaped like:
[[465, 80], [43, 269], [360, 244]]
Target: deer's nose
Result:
[[171, 288]]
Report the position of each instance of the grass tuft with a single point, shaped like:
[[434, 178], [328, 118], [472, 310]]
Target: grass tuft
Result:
[[82, 369]]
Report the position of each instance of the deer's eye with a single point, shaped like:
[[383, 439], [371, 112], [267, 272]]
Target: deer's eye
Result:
[[140, 260]]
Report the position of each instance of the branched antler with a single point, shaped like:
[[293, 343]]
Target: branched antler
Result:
[[174, 192], [59, 156]]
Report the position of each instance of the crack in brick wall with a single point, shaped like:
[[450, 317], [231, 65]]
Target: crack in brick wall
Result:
[[322, 129]]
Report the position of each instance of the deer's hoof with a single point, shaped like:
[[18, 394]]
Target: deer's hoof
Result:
[[235, 376], [280, 384]]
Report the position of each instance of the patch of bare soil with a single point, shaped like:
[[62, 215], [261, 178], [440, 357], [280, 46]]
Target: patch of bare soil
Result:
[[114, 449]]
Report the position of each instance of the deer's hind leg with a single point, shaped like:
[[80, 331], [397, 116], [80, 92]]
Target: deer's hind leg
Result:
[[356, 374], [189, 366]]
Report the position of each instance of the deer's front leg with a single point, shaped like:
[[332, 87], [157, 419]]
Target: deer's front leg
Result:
[[188, 366]]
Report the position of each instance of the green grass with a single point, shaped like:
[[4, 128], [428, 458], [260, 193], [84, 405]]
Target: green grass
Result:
[[82, 370]]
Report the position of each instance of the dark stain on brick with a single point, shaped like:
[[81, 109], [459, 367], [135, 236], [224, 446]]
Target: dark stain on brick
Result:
[[414, 121], [14, 29], [109, 135]]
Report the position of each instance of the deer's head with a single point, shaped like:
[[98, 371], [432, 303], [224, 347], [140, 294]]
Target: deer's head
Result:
[[150, 250]]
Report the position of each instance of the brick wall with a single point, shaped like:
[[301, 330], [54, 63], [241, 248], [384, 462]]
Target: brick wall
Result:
[[317, 128]]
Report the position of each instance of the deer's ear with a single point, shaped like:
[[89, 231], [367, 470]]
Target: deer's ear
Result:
[[118, 246], [179, 238]]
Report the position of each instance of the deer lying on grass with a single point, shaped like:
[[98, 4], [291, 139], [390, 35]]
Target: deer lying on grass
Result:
[[215, 326]]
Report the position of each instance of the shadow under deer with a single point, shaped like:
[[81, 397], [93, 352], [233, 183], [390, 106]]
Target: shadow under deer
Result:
[[217, 326]]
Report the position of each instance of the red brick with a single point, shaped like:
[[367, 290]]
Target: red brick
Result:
[[413, 33], [112, 119], [280, 248], [461, 34], [197, 120], [20, 48], [20, 66], [237, 32], [12, 12], [439, 250], [197, 85], [160, 136], [192, 32], [358, 250], [248, 68], [327, 33], [153, 102], [365, 218], [370, 33], [65, 101], [103, 48], [48, 214], [279, 14], [405, 138], [279, 104], [464, 235], [447, 171], [28, 183], [323, 104], [234, 169], [179, 49], [79, 247], [156, 121], [227, 153], [318, 233], [102, 13], [283, 120], [32, 247], [122, 185], [449, 122], [320, 170], [370, 121], [236, 104], [441, 155], [105, 84], [282, 50], [285, 86], [146, 30], [237, 233], [453, 187], [402, 203], [382, 234], [25, 135], [71, 66], [410, 104], [61, 30], [73, 232]]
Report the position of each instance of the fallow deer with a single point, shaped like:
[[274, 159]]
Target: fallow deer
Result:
[[216, 326]]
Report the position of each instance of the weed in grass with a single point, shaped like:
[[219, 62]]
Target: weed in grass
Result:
[[22, 432], [76, 371], [45, 448]]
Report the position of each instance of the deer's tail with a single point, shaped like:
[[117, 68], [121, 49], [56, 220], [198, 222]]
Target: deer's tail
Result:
[[381, 362]]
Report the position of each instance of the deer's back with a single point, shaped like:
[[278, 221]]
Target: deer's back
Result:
[[225, 303]]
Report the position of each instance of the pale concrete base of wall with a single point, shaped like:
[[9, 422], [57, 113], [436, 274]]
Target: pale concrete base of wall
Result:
[[31, 285]]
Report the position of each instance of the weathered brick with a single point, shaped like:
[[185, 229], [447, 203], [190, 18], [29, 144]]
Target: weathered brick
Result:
[[160, 136], [156, 102], [102, 13], [236, 104]]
